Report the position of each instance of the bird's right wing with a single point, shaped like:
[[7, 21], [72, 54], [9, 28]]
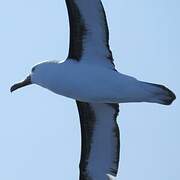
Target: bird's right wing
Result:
[[89, 34], [100, 141]]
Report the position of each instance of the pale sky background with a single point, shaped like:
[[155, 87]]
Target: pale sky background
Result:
[[40, 132]]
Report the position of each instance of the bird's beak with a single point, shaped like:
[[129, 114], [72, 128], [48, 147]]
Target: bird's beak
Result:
[[21, 84]]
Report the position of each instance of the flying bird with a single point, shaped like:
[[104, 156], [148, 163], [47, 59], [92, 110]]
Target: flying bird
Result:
[[88, 75]]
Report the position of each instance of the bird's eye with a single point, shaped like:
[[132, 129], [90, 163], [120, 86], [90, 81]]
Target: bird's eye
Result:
[[33, 69]]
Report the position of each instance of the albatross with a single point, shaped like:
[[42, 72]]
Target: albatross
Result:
[[88, 75]]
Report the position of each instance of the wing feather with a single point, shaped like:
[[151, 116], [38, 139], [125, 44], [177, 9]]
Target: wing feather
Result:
[[100, 140], [89, 34]]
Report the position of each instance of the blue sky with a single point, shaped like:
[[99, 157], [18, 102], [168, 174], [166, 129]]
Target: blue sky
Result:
[[40, 132]]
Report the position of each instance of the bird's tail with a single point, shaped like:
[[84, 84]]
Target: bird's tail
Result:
[[159, 94]]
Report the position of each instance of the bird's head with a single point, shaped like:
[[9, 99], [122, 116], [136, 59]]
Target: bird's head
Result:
[[39, 74]]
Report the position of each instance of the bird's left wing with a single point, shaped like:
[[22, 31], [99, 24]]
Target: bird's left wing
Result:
[[100, 141]]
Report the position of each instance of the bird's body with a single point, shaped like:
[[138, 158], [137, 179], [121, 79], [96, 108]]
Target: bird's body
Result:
[[86, 83], [89, 76], [96, 84]]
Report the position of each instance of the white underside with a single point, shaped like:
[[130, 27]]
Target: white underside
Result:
[[91, 83]]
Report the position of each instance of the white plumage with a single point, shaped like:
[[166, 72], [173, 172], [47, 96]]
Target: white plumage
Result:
[[96, 84]]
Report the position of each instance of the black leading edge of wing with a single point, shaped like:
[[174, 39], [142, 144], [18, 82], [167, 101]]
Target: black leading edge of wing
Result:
[[100, 144], [89, 34]]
